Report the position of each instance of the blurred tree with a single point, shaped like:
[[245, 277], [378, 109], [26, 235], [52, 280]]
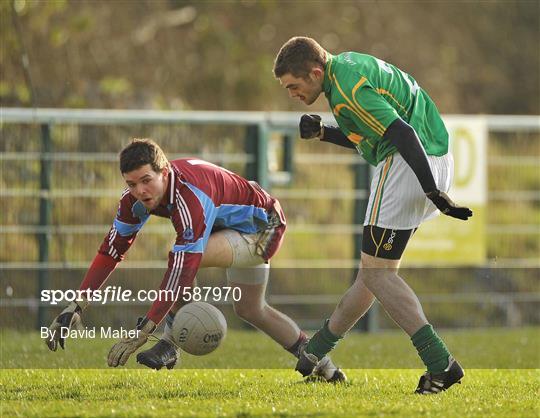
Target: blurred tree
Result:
[[472, 57]]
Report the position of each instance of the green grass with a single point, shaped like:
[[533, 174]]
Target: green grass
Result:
[[244, 393], [502, 379]]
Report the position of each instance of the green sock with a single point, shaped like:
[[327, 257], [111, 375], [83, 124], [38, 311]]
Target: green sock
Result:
[[322, 342], [431, 349]]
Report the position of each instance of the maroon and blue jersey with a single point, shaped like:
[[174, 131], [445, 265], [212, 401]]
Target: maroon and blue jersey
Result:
[[201, 198]]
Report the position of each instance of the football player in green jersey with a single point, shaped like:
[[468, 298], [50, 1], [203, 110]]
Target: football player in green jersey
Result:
[[384, 114]]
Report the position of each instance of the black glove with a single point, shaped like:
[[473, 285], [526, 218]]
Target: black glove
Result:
[[310, 126], [446, 206]]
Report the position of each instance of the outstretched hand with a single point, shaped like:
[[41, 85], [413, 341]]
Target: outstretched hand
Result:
[[68, 319], [447, 206], [122, 350]]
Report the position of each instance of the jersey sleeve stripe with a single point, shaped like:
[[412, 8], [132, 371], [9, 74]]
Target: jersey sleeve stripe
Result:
[[380, 127], [370, 116], [366, 117], [340, 106], [112, 235], [387, 93], [175, 271], [113, 253], [181, 257], [358, 85], [181, 212], [358, 112], [125, 229], [188, 215], [355, 138], [193, 247], [171, 273]]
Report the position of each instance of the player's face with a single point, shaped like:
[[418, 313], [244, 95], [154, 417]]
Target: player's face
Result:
[[147, 186], [304, 89]]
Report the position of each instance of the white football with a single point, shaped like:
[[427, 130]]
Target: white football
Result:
[[199, 328]]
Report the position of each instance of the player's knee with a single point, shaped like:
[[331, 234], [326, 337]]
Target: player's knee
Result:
[[249, 312], [374, 270], [373, 277], [370, 278]]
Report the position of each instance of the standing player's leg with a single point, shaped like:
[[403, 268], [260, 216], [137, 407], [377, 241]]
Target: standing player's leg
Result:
[[403, 306], [353, 305], [380, 277], [395, 199], [359, 297]]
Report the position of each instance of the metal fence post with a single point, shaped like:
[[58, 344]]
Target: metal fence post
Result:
[[256, 144], [288, 154], [262, 155], [361, 182], [45, 216], [251, 142]]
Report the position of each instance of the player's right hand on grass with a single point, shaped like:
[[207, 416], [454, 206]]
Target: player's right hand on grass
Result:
[[446, 206], [311, 126], [120, 352], [68, 318]]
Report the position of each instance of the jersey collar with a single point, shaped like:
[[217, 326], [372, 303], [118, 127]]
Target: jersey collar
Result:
[[171, 185], [327, 82]]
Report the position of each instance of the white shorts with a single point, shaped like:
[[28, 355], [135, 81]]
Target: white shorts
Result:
[[396, 199]]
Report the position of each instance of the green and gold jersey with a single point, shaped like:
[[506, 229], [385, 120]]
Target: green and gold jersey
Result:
[[367, 94]]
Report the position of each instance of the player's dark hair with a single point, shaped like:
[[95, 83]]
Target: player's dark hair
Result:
[[141, 152], [298, 56]]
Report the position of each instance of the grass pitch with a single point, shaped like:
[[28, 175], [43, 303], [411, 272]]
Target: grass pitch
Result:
[[212, 386]]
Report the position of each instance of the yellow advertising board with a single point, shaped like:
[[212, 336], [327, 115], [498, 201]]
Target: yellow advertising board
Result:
[[449, 241]]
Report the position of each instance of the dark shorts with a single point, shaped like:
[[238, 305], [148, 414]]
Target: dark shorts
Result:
[[384, 242]]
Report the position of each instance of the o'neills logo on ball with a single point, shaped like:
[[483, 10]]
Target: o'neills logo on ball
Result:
[[183, 335], [388, 244], [214, 337]]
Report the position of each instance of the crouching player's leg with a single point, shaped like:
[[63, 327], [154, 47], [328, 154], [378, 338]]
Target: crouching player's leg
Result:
[[246, 270], [250, 274], [164, 353]]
